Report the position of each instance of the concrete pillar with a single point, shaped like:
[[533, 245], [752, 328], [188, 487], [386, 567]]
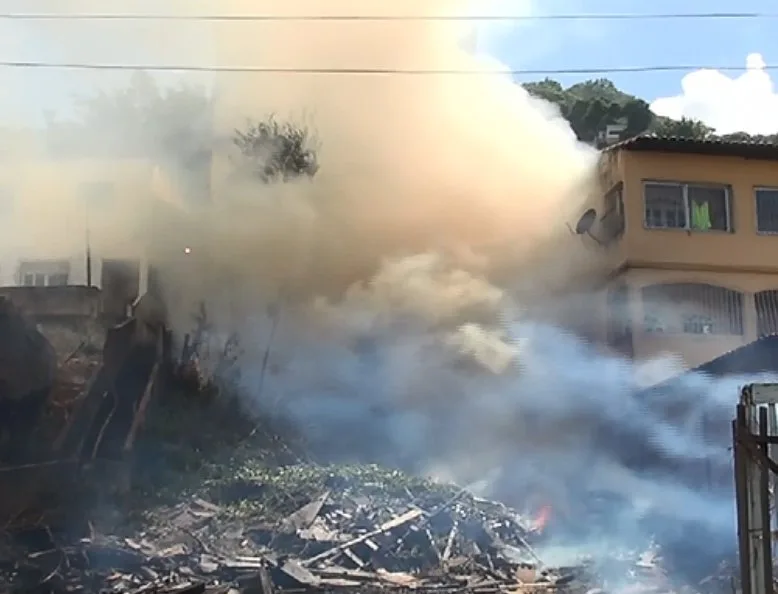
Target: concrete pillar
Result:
[[143, 275], [636, 315], [749, 318]]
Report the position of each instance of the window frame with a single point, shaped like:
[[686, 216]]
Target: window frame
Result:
[[729, 320], [39, 273], [758, 189], [687, 228], [615, 211], [705, 323]]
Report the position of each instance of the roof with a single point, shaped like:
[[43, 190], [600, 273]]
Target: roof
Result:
[[686, 407], [753, 359], [747, 149]]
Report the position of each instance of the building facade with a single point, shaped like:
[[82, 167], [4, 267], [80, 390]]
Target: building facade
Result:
[[688, 230], [69, 221]]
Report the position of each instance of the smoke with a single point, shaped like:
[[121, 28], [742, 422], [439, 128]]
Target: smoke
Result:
[[400, 276], [464, 165]]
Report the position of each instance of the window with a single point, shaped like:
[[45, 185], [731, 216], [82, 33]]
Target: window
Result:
[[691, 308], [34, 280], [766, 304], [59, 279], [695, 207], [767, 210], [44, 273], [697, 324], [653, 323], [613, 218]]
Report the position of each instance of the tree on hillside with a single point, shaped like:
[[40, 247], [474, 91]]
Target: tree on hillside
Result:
[[591, 105], [746, 137], [683, 128]]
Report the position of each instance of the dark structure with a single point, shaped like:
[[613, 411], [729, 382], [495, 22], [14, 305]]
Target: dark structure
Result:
[[694, 406], [756, 358]]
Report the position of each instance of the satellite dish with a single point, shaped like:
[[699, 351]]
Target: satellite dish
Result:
[[586, 222]]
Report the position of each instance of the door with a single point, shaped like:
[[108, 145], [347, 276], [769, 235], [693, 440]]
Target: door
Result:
[[120, 287]]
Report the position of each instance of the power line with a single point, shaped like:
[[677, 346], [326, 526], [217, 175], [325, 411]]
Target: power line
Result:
[[541, 17], [370, 71]]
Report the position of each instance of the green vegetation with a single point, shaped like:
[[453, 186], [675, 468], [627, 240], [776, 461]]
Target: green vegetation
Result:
[[254, 468], [592, 105], [276, 151]]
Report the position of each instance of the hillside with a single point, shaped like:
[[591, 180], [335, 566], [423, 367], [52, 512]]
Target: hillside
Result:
[[591, 105]]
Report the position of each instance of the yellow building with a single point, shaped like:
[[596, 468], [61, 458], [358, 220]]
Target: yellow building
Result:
[[689, 232]]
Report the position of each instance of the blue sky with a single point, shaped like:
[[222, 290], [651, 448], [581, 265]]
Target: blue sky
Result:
[[582, 44]]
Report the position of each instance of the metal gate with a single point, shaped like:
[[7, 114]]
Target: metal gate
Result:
[[755, 446]]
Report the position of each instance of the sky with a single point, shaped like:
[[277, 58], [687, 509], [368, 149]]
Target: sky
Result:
[[25, 93], [728, 101]]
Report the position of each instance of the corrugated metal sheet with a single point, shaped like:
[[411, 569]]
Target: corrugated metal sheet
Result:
[[755, 358], [747, 149], [686, 405]]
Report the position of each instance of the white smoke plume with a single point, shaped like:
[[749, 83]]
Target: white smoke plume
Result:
[[438, 212]]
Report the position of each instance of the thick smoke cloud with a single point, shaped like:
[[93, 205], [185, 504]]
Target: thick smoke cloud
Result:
[[402, 273]]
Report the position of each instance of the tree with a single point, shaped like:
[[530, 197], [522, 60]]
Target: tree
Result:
[[173, 126], [140, 120], [547, 89], [683, 128], [592, 105], [276, 151], [746, 137]]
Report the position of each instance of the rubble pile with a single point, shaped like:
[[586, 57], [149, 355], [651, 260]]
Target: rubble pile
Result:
[[337, 533]]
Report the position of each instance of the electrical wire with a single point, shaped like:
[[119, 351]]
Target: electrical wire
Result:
[[371, 71], [540, 17]]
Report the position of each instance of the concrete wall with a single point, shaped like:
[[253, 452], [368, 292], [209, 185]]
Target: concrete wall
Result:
[[45, 213], [55, 302], [693, 349]]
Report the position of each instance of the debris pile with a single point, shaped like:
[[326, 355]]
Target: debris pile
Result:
[[263, 537]]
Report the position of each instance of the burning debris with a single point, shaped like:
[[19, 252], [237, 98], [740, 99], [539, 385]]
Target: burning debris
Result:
[[264, 528], [349, 529], [269, 528]]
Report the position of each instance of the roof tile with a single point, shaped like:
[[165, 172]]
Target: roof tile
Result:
[[747, 149]]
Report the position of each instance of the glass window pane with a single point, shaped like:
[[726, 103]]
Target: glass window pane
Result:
[[767, 210], [664, 206]]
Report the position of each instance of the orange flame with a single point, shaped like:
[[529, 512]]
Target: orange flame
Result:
[[544, 515]]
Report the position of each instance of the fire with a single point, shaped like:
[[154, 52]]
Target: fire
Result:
[[544, 515]]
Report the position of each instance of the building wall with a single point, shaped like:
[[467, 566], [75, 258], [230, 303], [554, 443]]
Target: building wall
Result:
[[55, 302], [48, 208], [692, 349], [743, 249]]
